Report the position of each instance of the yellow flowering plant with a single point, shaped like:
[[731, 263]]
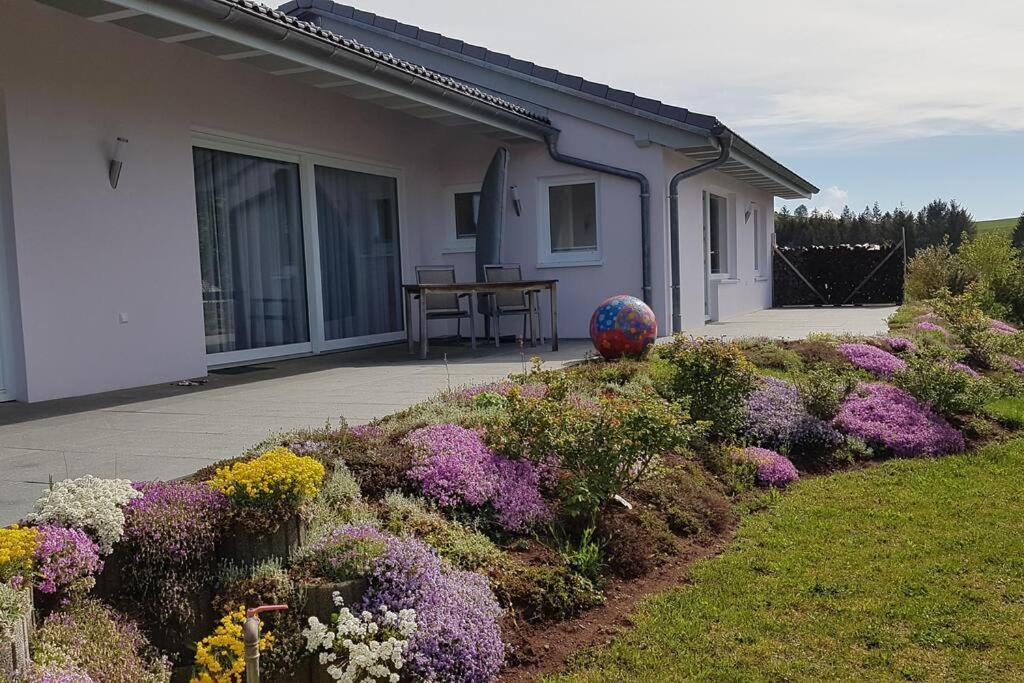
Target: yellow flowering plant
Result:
[[276, 478], [220, 656], [17, 548]]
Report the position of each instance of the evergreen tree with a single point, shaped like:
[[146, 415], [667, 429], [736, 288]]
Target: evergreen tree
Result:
[[1018, 232]]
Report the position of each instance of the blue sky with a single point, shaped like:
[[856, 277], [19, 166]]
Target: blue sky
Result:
[[895, 101]]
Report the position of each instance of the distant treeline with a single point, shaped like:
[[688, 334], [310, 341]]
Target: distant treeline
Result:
[[931, 225]]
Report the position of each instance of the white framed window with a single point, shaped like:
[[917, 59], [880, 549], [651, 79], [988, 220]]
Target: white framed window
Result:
[[716, 234], [569, 221], [462, 211], [760, 240]]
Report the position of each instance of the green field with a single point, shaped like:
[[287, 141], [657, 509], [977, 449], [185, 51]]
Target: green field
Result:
[[1003, 225], [912, 570]]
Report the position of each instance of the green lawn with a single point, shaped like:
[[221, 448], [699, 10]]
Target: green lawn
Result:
[[1003, 225], [1009, 411], [913, 570]]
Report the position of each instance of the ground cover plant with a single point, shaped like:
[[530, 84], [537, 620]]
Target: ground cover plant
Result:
[[449, 541]]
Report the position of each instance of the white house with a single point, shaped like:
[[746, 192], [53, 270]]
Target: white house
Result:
[[284, 172]]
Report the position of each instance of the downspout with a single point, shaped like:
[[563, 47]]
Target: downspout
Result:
[[724, 138], [645, 203]]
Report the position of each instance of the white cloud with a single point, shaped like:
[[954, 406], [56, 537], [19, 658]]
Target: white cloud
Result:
[[789, 74], [829, 200]]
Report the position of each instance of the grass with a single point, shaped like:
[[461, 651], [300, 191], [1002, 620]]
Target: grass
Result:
[[1003, 225], [1008, 411], [912, 570]]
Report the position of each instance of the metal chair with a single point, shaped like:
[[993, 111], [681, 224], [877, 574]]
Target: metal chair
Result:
[[443, 306], [512, 301]]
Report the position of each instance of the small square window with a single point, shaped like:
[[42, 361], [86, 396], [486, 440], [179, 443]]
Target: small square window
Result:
[[467, 213], [572, 217]]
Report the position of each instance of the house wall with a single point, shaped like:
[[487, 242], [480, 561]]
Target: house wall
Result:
[[84, 253], [742, 290], [87, 253]]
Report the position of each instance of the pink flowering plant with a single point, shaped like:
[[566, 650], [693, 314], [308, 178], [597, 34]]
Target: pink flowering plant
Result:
[[877, 361], [772, 469], [1002, 327], [887, 416], [170, 535], [66, 561], [454, 467]]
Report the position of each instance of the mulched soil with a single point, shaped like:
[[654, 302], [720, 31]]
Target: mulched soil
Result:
[[545, 648]]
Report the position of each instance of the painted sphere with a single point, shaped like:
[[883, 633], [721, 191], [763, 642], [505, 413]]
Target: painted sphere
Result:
[[623, 326]]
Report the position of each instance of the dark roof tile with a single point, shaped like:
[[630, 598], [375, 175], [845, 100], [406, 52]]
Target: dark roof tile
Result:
[[385, 23], [620, 96], [474, 51], [671, 112], [701, 120], [592, 88], [647, 104], [429, 37], [451, 44], [498, 58], [544, 73], [407, 30], [363, 16], [520, 65], [569, 81]]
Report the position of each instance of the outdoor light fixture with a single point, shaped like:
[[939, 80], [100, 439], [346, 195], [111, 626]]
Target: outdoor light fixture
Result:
[[117, 161], [750, 210], [517, 204]]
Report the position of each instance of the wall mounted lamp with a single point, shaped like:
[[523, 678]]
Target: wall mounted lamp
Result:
[[747, 213], [116, 161], [517, 204]]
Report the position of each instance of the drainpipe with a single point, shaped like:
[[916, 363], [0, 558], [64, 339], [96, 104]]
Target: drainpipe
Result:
[[724, 138], [645, 203]]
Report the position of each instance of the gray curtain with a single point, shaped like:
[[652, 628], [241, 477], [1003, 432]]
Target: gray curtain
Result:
[[250, 251], [360, 263]]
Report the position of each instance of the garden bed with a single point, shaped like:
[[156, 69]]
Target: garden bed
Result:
[[495, 530]]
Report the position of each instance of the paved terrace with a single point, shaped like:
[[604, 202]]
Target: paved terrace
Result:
[[167, 431]]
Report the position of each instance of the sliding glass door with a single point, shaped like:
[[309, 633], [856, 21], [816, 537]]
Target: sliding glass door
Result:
[[251, 254], [298, 253]]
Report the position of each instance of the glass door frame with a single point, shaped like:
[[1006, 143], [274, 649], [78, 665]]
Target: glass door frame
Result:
[[307, 161]]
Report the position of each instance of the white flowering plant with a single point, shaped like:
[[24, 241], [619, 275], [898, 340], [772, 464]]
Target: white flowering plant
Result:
[[368, 648], [89, 503]]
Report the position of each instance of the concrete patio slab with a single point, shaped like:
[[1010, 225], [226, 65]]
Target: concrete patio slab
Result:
[[168, 431]]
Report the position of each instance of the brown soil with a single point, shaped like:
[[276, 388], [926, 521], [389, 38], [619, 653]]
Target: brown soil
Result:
[[545, 648]]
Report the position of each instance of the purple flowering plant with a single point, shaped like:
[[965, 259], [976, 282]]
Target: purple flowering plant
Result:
[[888, 416], [170, 535], [873, 359], [927, 326], [61, 674], [346, 553], [776, 418], [772, 469], [1002, 327], [899, 344], [66, 561], [454, 467], [502, 388], [458, 636]]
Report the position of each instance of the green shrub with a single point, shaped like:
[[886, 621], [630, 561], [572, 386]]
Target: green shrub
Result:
[[930, 271], [771, 355], [545, 591], [603, 447], [970, 325], [711, 377], [823, 390], [635, 541], [692, 502], [465, 548], [947, 390], [583, 556], [736, 474], [101, 642]]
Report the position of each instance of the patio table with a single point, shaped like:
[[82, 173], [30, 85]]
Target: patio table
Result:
[[474, 289]]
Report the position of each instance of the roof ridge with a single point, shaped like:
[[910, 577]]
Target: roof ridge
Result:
[[386, 57], [600, 90]]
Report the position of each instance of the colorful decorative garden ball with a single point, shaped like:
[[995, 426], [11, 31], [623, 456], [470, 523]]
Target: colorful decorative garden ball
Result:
[[623, 326]]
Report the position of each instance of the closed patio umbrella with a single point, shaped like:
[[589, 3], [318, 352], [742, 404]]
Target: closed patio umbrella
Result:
[[491, 221]]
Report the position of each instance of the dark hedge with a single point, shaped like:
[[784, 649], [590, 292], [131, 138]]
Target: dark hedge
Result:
[[835, 271]]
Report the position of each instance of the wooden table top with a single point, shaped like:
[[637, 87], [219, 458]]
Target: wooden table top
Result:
[[478, 286]]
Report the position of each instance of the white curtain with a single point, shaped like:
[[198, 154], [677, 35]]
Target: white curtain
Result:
[[251, 251], [360, 263]]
